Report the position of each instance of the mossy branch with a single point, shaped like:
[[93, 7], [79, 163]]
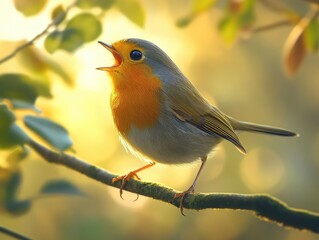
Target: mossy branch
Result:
[[264, 206]]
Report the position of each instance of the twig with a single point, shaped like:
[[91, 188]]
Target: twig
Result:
[[264, 206], [15, 235], [274, 6], [312, 1], [272, 26], [311, 15], [41, 34]]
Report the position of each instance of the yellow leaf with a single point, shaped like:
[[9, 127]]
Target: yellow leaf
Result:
[[295, 49]]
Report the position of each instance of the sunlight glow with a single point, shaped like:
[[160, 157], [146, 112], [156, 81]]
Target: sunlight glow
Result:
[[262, 170]]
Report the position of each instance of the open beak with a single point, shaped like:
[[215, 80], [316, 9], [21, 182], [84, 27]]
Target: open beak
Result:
[[116, 55]]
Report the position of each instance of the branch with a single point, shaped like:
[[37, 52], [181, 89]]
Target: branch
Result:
[[54, 22], [13, 234], [264, 206]]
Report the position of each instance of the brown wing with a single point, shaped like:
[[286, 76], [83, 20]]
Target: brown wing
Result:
[[194, 109]]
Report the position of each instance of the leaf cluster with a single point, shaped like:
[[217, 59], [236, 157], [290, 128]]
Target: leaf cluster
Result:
[[239, 20], [20, 119]]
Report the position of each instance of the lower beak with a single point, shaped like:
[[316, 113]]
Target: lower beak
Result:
[[116, 55]]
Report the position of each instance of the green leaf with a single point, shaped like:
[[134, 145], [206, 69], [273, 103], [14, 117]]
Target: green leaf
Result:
[[58, 14], [53, 41], [133, 10], [50, 131], [43, 86], [71, 40], [88, 4], [202, 5], [311, 36], [18, 207], [185, 21], [87, 25], [6, 117], [12, 186], [29, 7], [229, 29], [17, 87], [246, 16], [55, 187], [239, 16], [12, 136], [84, 27], [13, 205], [19, 104]]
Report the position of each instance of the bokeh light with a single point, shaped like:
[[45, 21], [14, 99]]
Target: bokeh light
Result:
[[262, 171]]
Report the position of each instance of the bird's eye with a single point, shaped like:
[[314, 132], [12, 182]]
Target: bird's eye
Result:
[[136, 55]]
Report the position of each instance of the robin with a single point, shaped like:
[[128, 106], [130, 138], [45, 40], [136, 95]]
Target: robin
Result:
[[161, 116]]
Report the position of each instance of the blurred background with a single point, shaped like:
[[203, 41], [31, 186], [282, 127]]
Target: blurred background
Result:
[[245, 79]]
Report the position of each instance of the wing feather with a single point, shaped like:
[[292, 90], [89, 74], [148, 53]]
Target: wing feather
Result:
[[194, 109]]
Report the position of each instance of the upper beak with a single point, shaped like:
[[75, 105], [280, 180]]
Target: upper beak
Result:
[[116, 55]]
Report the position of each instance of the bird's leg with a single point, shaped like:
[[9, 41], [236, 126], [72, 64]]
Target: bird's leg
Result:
[[130, 175], [191, 188]]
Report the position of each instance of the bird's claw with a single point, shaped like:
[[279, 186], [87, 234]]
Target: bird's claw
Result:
[[124, 179], [182, 197]]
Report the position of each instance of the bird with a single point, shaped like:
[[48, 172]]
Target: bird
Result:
[[161, 117]]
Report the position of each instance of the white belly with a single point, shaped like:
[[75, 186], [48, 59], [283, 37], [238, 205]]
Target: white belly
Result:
[[171, 141]]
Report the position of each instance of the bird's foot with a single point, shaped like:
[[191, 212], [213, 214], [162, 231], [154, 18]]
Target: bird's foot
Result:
[[182, 197], [124, 179], [129, 176]]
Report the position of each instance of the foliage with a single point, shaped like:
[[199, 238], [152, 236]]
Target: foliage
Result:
[[239, 18], [11, 180], [19, 92], [10, 135]]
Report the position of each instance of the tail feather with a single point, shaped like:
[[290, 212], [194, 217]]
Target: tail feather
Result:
[[258, 128]]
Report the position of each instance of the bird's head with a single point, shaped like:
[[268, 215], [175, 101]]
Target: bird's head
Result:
[[136, 58]]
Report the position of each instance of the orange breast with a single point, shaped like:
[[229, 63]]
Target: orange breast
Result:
[[135, 100]]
